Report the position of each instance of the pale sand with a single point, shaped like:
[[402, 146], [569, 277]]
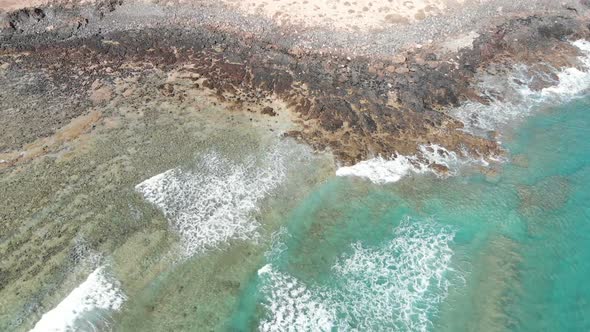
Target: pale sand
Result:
[[339, 14], [10, 5], [345, 14], [17, 4]]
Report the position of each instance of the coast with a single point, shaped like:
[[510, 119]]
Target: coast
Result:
[[380, 102], [105, 103]]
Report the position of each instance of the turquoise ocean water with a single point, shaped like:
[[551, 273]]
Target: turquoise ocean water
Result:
[[501, 251], [221, 235]]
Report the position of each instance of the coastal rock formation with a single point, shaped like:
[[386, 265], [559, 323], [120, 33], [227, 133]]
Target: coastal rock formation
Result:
[[357, 107], [73, 71]]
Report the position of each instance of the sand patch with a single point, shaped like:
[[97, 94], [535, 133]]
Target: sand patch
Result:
[[100, 93], [8, 5], [459, 42], [345, 14]]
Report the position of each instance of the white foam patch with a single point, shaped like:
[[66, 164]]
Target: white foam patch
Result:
[[513, 99], [399, 285], [98, 292], [214, 203], [396, 287], [292, 306], [381, 170]]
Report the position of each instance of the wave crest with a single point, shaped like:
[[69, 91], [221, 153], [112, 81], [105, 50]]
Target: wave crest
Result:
[[215, 202], [99, 292], [515, 96], [380, 170], [397, 286]]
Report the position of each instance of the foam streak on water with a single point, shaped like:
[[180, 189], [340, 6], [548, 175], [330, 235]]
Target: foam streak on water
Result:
[[396, 286], [400, 284], [98, 292], [214, 202], [381, 170], [292, 305], [513, 99]]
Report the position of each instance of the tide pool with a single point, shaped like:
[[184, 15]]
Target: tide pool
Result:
[[504, 250]]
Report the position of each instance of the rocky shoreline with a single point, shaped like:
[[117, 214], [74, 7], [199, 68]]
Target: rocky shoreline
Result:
[[355, 106], [122, 78]]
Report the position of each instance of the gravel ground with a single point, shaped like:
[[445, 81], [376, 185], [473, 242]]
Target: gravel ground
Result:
[[460, 21]]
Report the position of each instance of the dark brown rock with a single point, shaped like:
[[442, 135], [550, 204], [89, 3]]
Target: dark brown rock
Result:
[[269, 111], [355, 106]]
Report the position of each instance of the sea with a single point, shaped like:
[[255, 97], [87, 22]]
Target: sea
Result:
[[263, 234]]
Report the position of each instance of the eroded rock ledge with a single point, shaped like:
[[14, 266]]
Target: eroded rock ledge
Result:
[[357, 107]]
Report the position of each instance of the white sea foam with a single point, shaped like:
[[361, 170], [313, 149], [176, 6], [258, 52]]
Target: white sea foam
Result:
[[397, 286], [381, 170], [292, 306], [512, 98], [99, 292], [215, 202]]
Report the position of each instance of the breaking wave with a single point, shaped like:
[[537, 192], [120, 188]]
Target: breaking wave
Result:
[[397, 286], [85, 306], [515, 98], [214, 202], [511, 99], [292, 306], [380, 170]]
